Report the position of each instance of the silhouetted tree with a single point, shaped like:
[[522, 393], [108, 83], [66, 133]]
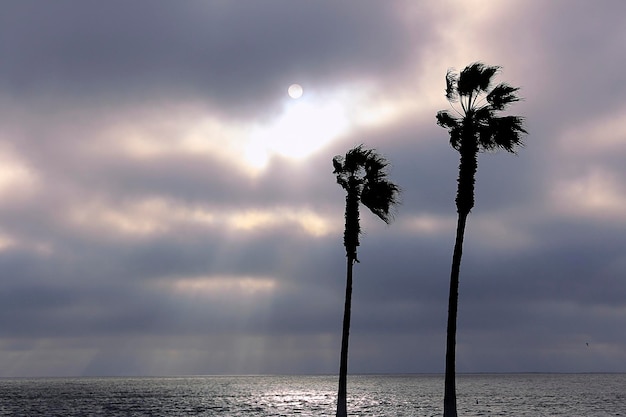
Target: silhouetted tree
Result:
[[474, 127], [362, 173]]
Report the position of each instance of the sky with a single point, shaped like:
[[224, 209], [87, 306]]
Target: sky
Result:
[[166, 208]]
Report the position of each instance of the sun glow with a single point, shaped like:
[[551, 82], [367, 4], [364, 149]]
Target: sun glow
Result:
[[305, 126], [309, 123]]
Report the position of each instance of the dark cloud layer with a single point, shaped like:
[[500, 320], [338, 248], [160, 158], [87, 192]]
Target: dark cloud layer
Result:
[[235, 57]]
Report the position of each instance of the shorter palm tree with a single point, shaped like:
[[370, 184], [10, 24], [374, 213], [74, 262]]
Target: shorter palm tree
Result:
[[362, 173]]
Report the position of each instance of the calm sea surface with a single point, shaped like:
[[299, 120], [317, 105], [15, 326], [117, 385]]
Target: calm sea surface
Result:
[[534, 395]]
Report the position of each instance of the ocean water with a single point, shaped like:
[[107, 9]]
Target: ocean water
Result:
[[534, 395]]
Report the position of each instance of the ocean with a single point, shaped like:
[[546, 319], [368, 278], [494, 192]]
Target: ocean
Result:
[[536, 395]]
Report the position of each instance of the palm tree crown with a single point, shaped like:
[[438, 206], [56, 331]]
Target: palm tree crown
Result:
[[363, 174], [470, 89], [477, 126]]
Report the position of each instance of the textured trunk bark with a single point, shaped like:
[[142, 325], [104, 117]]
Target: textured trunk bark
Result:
[[351, 242], [449, 398], [342, 410], [464, 204]]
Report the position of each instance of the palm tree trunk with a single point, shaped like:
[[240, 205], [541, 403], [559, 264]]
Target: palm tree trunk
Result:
[[342, 410], [351, 242], [449, 398], [468, 166]]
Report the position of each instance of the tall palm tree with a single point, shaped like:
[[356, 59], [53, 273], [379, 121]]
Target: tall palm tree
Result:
[[473, 128], [362, 173]]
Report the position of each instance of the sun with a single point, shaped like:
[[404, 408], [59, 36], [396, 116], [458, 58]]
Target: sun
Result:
[[295, 91]]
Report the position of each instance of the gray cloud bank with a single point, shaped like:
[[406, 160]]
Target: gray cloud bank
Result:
[[142, 261]]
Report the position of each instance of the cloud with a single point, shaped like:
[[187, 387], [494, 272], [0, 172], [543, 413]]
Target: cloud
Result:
[[166, 208], [236, 59]]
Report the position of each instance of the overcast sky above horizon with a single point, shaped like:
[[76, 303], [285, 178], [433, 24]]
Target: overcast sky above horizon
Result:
[[166, 208]]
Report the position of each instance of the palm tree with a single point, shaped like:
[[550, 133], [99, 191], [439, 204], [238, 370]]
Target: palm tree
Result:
[[362, 173], [473, 128]]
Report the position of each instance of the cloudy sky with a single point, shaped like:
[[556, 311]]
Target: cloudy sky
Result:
[[166, 208]]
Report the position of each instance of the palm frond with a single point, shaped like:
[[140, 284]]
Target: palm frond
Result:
[[502, 95], [486, 75], [340, 172], [375, 161], [447, 120], [453, 124], [451, 82], [338, 164], [480, 110], [483, 114], [355, 158], [475, 77], [380, 196], [456, 138], [509, 131], [503, 132]]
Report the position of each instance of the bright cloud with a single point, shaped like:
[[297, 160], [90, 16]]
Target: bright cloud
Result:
[[157, 216], [598, 194], [16, 178], [596, 136], [429, 224], [221, 286]]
